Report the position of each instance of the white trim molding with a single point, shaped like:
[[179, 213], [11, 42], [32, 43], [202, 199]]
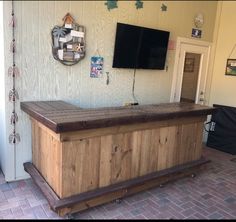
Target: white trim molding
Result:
[[179, 41]]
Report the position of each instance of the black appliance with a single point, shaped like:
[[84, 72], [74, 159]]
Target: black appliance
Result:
[[222, 129]]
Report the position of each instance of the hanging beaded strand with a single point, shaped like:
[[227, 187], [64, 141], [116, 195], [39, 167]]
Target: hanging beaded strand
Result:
[[13, 72]]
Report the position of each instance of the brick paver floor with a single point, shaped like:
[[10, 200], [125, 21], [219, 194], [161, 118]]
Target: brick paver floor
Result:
[[210, 195]]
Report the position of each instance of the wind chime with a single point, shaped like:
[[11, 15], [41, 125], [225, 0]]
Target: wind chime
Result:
[[13, 72]]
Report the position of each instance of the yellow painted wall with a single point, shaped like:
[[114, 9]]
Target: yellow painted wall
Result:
[[223, 86]]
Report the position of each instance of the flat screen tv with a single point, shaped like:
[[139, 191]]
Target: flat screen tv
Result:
[[139, 47]]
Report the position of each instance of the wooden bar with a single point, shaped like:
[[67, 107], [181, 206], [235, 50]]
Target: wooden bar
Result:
[[91, 156], [69, 118]]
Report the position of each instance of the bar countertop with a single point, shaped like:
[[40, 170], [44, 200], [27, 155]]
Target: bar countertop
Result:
[[61, 116]]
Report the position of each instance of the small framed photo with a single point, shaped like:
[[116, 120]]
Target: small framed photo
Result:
[[96, 66], [231, 67], [189, 65]]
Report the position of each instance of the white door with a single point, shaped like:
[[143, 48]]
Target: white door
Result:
[[189, 80]]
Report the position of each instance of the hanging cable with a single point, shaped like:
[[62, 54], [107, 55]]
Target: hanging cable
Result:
[[133, 94]]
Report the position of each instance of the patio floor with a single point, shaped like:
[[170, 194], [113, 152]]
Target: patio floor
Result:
[[210, 195]]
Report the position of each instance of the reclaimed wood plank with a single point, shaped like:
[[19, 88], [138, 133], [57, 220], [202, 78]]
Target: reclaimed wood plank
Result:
[[117, 158], [47, 161], [105, 161], [154, 148], [91, 163], [81, 164], [77, 135], [172, 146], [66, 119], [199, 136], [73, 166], [136, 153], [145, 153], [80, 169], [164, 141], [188, 136]]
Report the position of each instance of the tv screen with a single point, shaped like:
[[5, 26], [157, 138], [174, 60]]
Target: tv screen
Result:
[[140, 47]]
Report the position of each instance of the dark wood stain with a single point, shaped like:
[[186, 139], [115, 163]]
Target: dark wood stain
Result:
[[60, 116]]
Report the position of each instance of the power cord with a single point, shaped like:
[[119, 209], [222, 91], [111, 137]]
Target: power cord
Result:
[[134, 98]]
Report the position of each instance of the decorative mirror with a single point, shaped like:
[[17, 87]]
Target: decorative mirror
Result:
[[68, 41]]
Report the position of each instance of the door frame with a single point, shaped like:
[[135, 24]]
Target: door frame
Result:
[[176, 85]]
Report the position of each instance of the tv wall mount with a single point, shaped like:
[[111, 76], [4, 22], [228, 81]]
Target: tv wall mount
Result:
[[68, 41]]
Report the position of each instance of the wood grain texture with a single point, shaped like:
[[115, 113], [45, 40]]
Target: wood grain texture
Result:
[[91, 160], [121, 157], [103, 195], [77, 135], [45, 61], [105, 161], [145, 154], [136, 153], [61, 72], [109, 157], [67, 120], [72, 172], [198, 147], [47, 155], [164, 147]]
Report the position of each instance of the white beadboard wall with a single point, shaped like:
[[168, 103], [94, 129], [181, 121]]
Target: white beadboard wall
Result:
[[43, 78]]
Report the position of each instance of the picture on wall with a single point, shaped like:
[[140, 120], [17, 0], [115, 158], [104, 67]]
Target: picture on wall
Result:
[[96, 66], [68, 41], [231, 67], [189, 65]]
